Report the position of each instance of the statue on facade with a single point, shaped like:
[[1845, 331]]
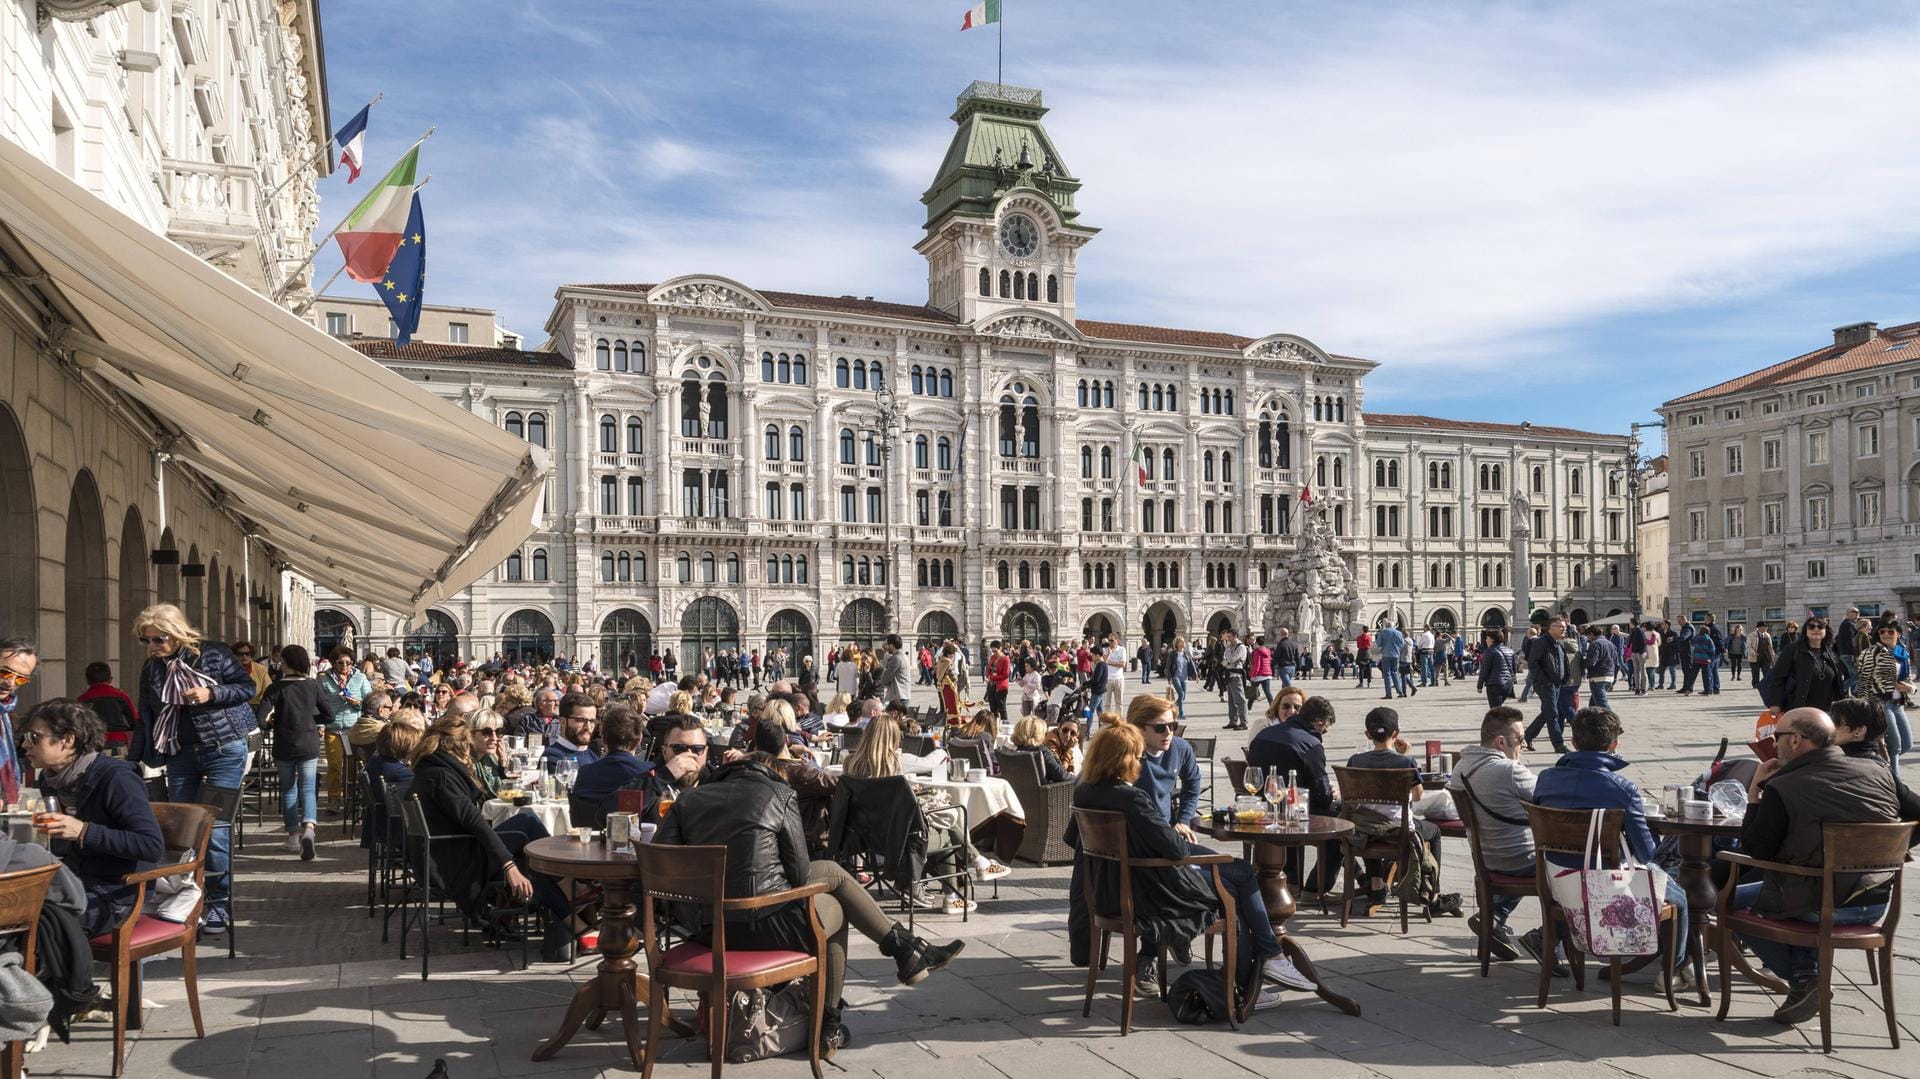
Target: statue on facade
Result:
[[703, 411]]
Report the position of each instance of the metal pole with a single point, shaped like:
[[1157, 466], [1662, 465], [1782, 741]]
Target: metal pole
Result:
[[322, 241], [315, 253], [325, 148]]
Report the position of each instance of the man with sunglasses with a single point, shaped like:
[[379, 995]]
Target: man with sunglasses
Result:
[[18, 660], [1810, 783], [597, 781], [684, 764]]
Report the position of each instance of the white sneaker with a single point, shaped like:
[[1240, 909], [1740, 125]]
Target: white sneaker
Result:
[[990, 871], [1682, 980], [1269, 997], [1281, 969], [957, 905], [293, 842]]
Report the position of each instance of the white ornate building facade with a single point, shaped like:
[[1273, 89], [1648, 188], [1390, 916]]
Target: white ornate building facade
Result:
[[737, 467], [201, 121]]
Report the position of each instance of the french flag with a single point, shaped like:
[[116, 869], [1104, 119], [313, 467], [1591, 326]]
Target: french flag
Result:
[[352, 141]]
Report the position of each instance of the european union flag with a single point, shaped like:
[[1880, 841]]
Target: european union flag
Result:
[[406, 277]]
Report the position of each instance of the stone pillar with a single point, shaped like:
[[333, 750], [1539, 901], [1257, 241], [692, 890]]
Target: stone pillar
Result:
[[748, 456], [580, 455], [666, 416], [1522, 533]]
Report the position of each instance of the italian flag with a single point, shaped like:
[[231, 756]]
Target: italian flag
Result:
[[1139, 465], [372, 232], [981, 14]]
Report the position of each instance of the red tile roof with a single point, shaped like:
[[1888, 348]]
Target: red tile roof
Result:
[[1162, 335], [381, 348], [1899, 344], [1435, 423]]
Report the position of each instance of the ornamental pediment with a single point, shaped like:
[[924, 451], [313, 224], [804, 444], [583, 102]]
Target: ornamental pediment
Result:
[[708, 294], [1285, 346], [1030, 326]]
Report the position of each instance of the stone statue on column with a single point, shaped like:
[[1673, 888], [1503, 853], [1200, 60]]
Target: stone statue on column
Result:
[[1522, 533], [704, 411]]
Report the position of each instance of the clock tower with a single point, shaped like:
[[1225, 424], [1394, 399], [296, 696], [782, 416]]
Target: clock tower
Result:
[[1002, 230]]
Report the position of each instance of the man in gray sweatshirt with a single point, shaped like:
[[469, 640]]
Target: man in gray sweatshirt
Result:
[[1499, 782]]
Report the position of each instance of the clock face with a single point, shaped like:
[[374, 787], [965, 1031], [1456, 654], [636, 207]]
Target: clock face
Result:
[[1018, 236]]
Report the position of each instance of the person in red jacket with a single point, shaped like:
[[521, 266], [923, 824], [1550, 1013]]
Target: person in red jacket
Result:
[[999, 673], [115, 709]]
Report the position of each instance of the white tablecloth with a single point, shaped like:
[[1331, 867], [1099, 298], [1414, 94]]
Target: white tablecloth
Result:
[[983, 800], [552, 814]]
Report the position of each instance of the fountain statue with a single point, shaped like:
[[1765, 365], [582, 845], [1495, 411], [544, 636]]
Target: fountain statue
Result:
[[1314, 593]]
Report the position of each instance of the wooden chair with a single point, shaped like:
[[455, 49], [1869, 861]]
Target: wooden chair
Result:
[[1047, 806], [1564, 832], [1486, 882], [187, 829], [1848, 849], [22, 894], [1380, 789], [1103, 835], [698, 876]]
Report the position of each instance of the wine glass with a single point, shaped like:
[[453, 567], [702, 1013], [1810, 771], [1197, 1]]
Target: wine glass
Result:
[[1274, 795], [1252, 781]]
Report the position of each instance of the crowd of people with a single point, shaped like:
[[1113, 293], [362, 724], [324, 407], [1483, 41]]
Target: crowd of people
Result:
[[742, 743]]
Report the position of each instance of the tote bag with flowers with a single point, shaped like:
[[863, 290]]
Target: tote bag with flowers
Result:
[[1611, 913]]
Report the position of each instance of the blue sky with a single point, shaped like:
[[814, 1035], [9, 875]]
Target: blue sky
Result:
[[1558, 212]]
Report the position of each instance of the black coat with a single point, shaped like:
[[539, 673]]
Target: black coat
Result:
[[1805, 678], [298, 715], [450, 798], [887, 822], [122, 835], [1169, 905], [752, 812]]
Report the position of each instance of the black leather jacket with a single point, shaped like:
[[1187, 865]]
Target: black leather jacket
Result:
[[752, 812]]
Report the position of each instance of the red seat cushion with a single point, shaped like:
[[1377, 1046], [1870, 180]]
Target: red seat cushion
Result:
[[1795, 925], [1508, 880], [1451, 827], [691, 958], [145, 930]]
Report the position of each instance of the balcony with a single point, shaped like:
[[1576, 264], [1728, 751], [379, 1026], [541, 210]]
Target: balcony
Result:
[[621, 460], [871, 532], [712, 526], [1285, 477], [1025, 538], [791, 529], [706, 447], [1017, 466], [619, 525], [1164, 541], [1105, 541], [858, 473], [938, 534]]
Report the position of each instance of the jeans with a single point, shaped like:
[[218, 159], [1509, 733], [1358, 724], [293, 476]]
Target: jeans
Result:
[[1853, 672], [1692, 672], [1250, 908], [299, 800], [1286, 676], [1784, 960], [1710, 677], [1556, 707], [1095, 702], [1180, 696], [222, 765], [1390, 676], [1497, 695], [1670, 676], [1426, 669], [515, 833], [1899, 734], [1264, 686], [1597, 689]]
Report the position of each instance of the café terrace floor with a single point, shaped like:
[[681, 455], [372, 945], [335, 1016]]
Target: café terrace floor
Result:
[[316, 994]]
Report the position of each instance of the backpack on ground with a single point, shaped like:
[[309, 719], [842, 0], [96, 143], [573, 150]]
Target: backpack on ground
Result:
[[1198, 997]]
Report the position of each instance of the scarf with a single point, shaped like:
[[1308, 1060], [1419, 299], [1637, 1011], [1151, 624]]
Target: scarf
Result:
[[60, 780], [180, 677], [10, 777]]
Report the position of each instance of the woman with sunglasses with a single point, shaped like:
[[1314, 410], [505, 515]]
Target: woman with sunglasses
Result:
[[1883, 681], [1808, 673], [106, 829]]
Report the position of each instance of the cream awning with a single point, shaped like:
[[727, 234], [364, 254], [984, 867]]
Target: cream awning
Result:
[[363, 481]]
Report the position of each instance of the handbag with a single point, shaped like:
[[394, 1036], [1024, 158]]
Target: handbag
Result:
[[1610, 913], [769, 1022]]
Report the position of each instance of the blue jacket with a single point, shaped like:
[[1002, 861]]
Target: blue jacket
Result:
[[1602, 661], [225, 718], [597, 781], [1704, 648], [1587, 779], [1294, 746], [1158, 776], [1391, 641], [1496, 668]]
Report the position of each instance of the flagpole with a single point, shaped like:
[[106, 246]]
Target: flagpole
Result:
[[322, 241], [1000, 52], [325, 149], [317, 293]]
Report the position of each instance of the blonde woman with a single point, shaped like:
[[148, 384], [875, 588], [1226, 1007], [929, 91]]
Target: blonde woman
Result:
[[194, 718], [836, 713], [1285, 706], [1030, 736]]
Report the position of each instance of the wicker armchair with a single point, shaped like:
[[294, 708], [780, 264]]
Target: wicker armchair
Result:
[[1048, 808]]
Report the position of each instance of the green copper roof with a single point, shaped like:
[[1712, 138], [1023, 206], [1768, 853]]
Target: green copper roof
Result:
[[999, 147]]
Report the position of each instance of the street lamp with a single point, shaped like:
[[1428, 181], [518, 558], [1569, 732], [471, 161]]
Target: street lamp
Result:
[[887, 412], [1635, 463]]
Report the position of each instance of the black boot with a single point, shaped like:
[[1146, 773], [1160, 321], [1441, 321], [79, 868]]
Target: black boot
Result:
[[915, 957], [834, 1035], [557, 945]]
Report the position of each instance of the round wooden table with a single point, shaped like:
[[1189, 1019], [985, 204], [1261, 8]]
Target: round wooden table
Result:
[[1695, 840], [618, 985], [1270, 865]]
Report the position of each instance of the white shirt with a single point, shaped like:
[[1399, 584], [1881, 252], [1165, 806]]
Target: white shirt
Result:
[[1116, 664], [1426, 641]]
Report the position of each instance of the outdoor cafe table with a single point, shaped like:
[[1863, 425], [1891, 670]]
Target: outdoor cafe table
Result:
[[618, 985], [552, 813], [985, 799], [1270, 866], [1695, 839]]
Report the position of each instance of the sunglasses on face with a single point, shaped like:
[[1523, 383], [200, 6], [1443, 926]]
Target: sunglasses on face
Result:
[[681, 747], [15, 678], [489, 733], [1289, 707], [1159, 728], [162, 639]]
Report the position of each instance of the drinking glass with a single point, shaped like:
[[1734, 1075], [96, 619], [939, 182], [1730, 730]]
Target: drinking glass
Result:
[[1252, 781], [1274, 794], [43, 817]]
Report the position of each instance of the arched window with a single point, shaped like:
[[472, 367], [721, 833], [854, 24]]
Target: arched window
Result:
[[516, 425], [1019, 286], [840, 372], [799, 368], [1086, 462], [683, 568], [1499, 484], [946, 383], [796, 444], [1166, 463], [1338, 479], [1159, 399], [1579, 575], [1107, 396], [606, 566], [1148, 516], [1229, 402], [1053, 289], [1086, 576], [773, 442], [1026, 575], [602, 356], [1206, 403], [707, 567], [1143, 397], [877, 373], [1008, 419], [1206, 466], [920, 573], [609, 495], [620, 356], [1033, 286], [785, 368], [1575, 477], [1006, 285], [797, 495], [537, 428], [800, 570], [846, 446], [1226, 466], [636, 435], [733, 569], [920, 451], [609, 435], [1320, 470], [846, 569], [626, 567], [640, 566], [514, 567], [1001, 575], [1173, 398], [637, 352], [943, 454], [539, 563], [986, 281], [859, 375], [873, 447], [1379, 473], [771, 508], [1083, 393], [1030, 428], [1106, 462], [766, 367]]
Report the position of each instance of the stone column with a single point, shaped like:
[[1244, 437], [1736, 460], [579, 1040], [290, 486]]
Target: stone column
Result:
[[823, 459], [666, 415], [1190, 505], [748, 456], [1522, 533], [581, 456]]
